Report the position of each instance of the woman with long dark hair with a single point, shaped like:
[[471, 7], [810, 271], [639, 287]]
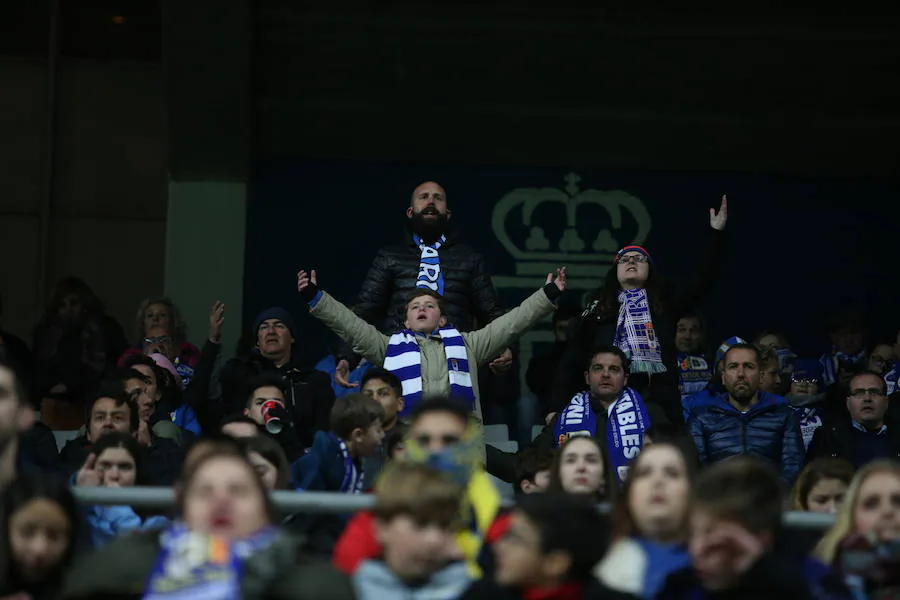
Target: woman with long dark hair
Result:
[[580, 467], [117, 460], [39, 525], [636, 309], [650, 520]]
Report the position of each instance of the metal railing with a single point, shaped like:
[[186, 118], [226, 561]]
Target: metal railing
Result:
[[332, 503]]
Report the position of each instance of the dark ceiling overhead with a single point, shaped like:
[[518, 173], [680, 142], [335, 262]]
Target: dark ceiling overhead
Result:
[[97, 29]]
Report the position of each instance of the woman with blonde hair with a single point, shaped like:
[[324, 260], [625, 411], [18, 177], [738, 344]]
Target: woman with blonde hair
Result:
[[864, 542], [160, 328]]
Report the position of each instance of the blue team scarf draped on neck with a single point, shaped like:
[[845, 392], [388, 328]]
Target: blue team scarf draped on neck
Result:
[[403, 358], [193, 565], [635, 334], [627, 422], [430, 275], [354, 475], [831, 363]]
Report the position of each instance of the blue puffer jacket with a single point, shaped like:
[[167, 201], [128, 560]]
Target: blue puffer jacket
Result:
[[769, 430], [185, 417], [704, 397]]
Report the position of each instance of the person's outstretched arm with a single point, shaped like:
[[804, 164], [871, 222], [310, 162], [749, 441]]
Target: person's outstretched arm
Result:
[[364, 337], [487, 342]]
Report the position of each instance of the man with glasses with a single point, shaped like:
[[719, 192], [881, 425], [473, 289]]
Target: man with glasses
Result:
[[806, 395], [868, 433]]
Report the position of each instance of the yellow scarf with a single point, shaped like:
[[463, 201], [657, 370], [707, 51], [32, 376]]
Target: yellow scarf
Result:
[[480, 508], [463, 462]]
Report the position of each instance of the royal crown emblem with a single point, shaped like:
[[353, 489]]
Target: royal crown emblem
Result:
[[583, 232]]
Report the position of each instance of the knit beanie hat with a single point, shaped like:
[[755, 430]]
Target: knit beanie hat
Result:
[[278, 313]]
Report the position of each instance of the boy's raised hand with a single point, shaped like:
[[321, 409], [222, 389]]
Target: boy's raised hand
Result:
[[304, 279], [307, 285], [560, 279]]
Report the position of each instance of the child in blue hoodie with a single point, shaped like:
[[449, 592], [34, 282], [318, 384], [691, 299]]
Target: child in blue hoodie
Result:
[[334, 463], [115, 461]]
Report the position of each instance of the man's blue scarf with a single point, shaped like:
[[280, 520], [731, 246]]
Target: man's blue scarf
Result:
[[627, 422], [430, 275]]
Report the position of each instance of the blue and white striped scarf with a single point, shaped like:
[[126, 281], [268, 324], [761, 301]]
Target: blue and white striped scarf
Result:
[[831, 363], [891, 378], [430, 275], [635, 335], [404, 359]]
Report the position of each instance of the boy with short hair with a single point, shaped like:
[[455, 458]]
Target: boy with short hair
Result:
[[548, 551], [416, 515], [334, 463], [442, 435], [533, 470], [385, 387], [265, 405], [735, 516], [428, 354]]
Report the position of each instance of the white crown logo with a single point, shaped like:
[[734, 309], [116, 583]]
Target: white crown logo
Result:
[[541, 255]]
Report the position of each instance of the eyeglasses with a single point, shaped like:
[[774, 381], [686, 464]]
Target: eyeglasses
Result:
[[632, 259], [863, 392]]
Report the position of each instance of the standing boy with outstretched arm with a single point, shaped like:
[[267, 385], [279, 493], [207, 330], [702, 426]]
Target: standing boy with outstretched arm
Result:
[[429, 355]]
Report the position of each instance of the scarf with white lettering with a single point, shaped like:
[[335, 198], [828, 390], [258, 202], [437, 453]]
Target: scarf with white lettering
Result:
[[635, 335], [404, 359], [694, 372], [627, 422], [430, 275], [810, 412], [194, 565]]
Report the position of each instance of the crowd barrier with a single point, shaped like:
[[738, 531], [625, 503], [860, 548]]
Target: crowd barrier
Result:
[[331, 503]]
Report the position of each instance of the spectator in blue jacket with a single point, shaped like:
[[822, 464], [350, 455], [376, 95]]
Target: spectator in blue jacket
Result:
[[714, 386], [744, 420], [116, 460]]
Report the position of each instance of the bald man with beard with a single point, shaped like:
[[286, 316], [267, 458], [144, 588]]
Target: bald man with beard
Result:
[[431, 255]]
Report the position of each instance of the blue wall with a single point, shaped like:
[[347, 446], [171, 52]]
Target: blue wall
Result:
[[798, 247]]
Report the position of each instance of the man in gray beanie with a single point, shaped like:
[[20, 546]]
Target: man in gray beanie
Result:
[[309, 396]]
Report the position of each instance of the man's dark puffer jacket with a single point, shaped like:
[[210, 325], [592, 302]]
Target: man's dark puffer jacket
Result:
[[469, 294], [770, 430]]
